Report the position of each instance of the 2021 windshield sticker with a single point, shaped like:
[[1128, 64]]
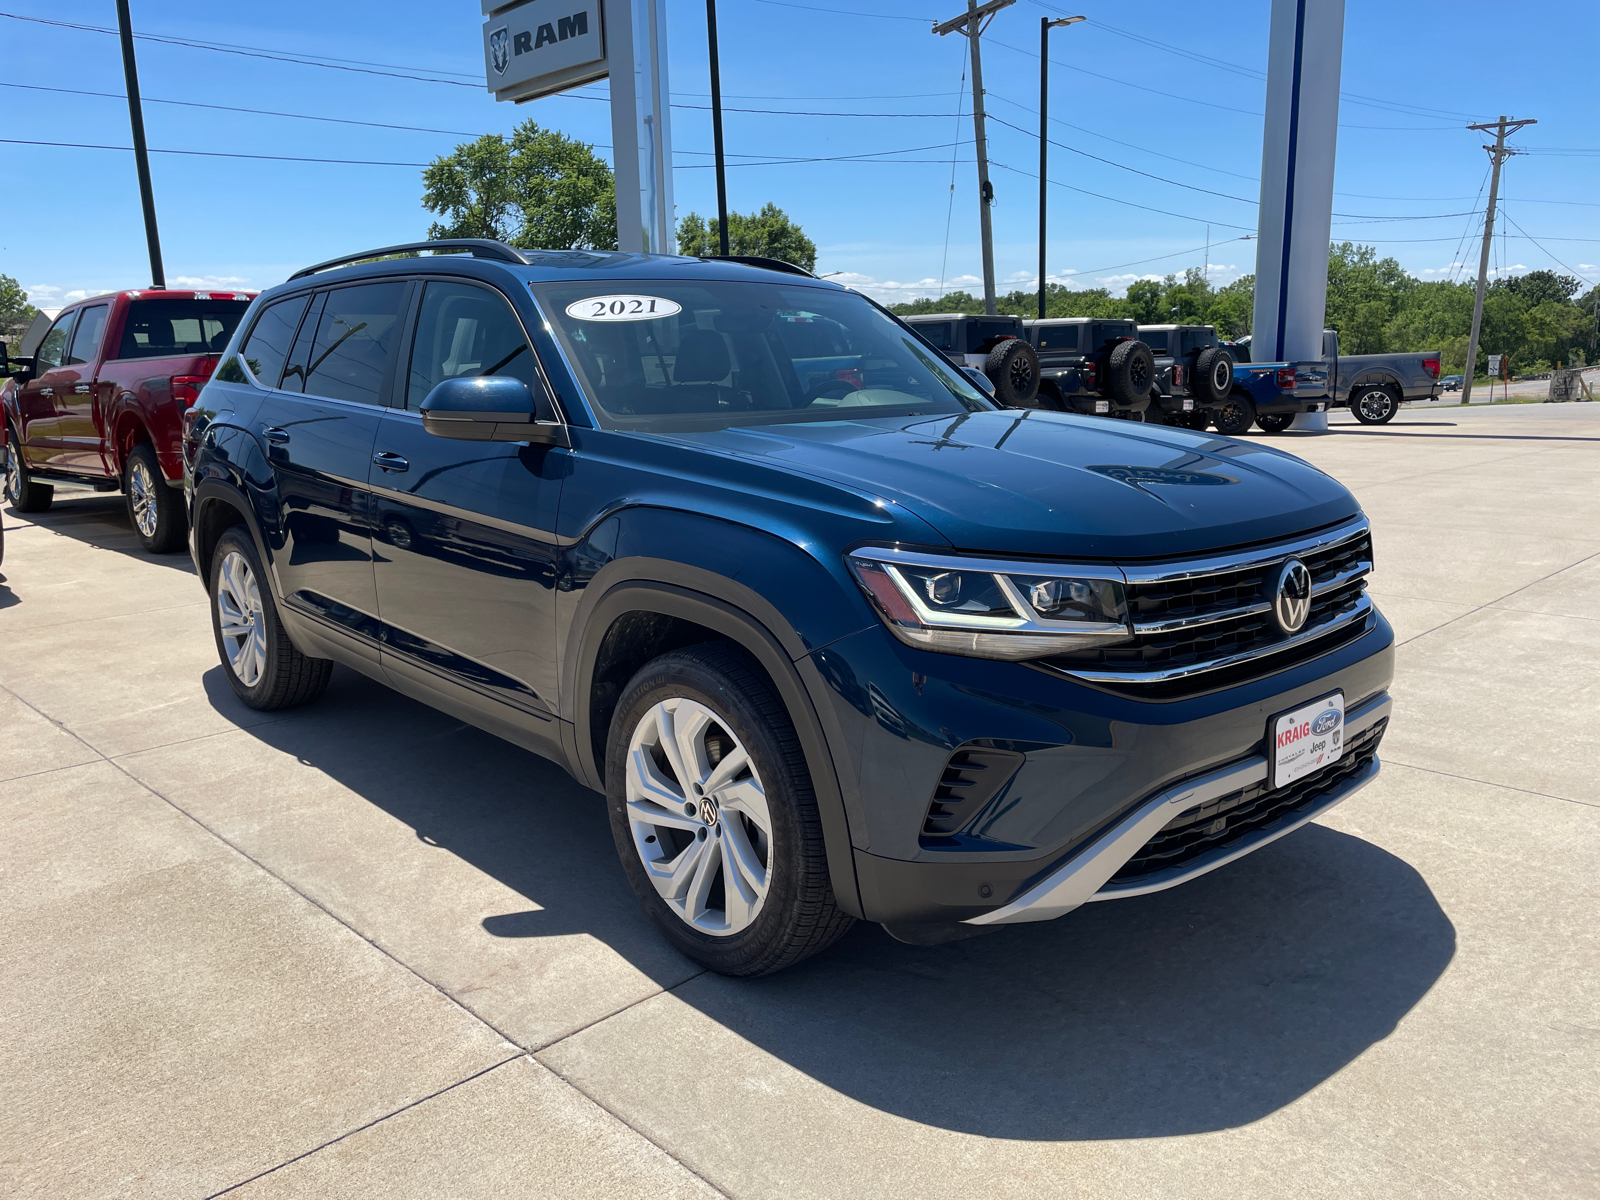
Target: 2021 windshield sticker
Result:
[[623, 308]]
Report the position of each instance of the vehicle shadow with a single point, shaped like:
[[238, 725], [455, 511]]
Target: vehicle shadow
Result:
[[1202, 1008], [8, 598], [99, 520]]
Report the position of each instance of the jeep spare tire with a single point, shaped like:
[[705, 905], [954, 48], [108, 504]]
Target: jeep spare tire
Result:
[[1131, 372], [1013, 368], [1213, 375]]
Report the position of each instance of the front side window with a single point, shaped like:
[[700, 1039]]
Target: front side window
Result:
[[267, 347], [675, 355], [52, 351], [179, 328], [86, 338], [354, 337], [465, 330]]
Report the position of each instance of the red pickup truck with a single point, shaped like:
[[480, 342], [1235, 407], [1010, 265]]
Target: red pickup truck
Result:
[[97, 397]]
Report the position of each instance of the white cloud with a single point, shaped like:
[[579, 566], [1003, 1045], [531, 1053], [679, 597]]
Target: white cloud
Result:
[[50, 298], [208, 281], [1119, 283]]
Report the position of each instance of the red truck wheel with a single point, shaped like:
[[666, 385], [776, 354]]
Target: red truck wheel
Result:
[[154, 510]]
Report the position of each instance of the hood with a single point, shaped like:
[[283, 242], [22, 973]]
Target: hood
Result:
[[1032, 482]]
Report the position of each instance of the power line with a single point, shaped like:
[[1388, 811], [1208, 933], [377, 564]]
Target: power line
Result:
[[1536, 242], [1117, 200]]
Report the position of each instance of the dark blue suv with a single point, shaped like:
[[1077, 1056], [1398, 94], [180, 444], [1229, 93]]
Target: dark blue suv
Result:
[[836, 636]]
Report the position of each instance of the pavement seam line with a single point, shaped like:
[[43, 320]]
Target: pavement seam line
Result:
[[449, 1087], [1510, 787], [259, 865], [1501, 599], [143, 612], [632, 1004]]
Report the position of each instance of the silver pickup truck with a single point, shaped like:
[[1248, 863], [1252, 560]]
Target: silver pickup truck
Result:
[[1372, 386]]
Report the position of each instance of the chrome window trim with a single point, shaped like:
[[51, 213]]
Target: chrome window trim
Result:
[[1363, 609], [1084, 877], [1245, 560]]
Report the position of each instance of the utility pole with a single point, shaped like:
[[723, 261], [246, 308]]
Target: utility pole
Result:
[[716, 126], [1498, 153], [141, 156], [1045, 25], [972, 23]]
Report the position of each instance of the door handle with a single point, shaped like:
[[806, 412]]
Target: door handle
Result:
[[47, 391], [390, 461], [81, 390], [278, 437]]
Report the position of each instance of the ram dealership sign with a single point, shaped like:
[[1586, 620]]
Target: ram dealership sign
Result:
[[539, 47]]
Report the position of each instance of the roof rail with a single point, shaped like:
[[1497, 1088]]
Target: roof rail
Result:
[[756, 260], [476, 247]]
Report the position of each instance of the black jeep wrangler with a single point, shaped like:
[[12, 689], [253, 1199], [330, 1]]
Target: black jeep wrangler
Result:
[[994, 345], [1194, 371], [1092, 365]]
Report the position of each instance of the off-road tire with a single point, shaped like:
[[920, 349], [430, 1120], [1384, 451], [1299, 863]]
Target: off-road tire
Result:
[[288, 678], [1199, 420], [1130, 373], [1374, 404], [1274, 422], [799, 915], [1013, 368], [1234, 416], [164, 517], [1213, 376], [23, 492]]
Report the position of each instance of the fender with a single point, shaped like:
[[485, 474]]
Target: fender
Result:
[[1382, 378], [743, 617]]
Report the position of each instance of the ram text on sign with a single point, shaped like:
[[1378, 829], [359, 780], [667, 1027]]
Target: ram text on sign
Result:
[[540, 38]]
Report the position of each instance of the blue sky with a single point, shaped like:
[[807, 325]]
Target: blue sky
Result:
[[1177, 121]]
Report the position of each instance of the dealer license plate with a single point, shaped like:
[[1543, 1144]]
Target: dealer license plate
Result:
[[1307, 739], [1102, 406], [1188, 405]]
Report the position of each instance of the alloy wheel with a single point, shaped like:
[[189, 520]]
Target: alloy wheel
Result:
[[1021, 374], [244, 635], [1375, 404], [699, 818], [141, 493]]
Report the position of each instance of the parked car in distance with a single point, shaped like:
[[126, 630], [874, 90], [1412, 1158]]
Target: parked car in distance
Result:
[[886, 651], [994, 345], [1451, 383], [1194, 371], [1371, 386], [1093, 366], [99, 400]]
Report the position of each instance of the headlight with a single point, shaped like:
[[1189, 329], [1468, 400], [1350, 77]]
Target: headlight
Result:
[[1010, 611]]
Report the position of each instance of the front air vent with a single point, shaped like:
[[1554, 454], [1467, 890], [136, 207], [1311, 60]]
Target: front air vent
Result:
[[972, 778]]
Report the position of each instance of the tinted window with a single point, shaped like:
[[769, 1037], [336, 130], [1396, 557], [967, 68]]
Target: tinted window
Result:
[[465, 330], [267, 346], [1194, 339], [53, 350], [981, 330], [937, 332], [720, 355], [1056, 337], [354, 336], [1156, 341], [86, 339], [176, 328]]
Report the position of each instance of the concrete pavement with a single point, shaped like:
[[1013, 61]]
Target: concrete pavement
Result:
[[360, 949]]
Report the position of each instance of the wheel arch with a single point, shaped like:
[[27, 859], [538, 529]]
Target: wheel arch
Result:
[[127, 431], [218, 507], [649, 607]]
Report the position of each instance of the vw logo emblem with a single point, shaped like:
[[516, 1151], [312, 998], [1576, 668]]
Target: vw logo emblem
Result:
[[1291, 604], [708, 810]]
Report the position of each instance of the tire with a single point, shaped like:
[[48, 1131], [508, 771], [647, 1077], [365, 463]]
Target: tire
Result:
[[1213, 376], [1050, 398], [23, 493], [1274, 422], [713, 699], [1199, 420], [1013, 368], [154, 510], [261, 663], [1131, 372], [1234, 416], [1374, 404]]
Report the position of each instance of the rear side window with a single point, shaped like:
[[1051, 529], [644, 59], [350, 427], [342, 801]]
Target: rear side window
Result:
[[267, 347], [1195, 339], [86, 338], [1056, 337], [465, 330], [937, 332], [981, 331], [1156, 341], [355, 334], [52, 351], [176, 328]]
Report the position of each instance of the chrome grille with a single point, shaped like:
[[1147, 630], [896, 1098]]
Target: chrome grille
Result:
[[1190, 620]]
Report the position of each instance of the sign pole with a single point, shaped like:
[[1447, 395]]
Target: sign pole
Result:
[[716, 126], [141, 156]]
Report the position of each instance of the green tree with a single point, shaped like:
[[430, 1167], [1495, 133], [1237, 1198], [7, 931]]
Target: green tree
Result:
[[1233, 307], [950, 302], [537, 189], [766, 234], [16, 314]]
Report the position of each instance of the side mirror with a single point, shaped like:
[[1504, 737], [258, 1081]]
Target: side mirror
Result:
[[979, 380], [494, 408]]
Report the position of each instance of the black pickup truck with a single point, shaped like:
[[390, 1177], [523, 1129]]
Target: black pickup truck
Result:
[[1093, 365]]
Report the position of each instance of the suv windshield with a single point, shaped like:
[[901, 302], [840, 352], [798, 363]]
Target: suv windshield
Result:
[[672, 355], [171, 328]]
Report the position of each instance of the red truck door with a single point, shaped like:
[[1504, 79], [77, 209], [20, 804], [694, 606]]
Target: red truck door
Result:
[[36, 409], [77, 430]]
